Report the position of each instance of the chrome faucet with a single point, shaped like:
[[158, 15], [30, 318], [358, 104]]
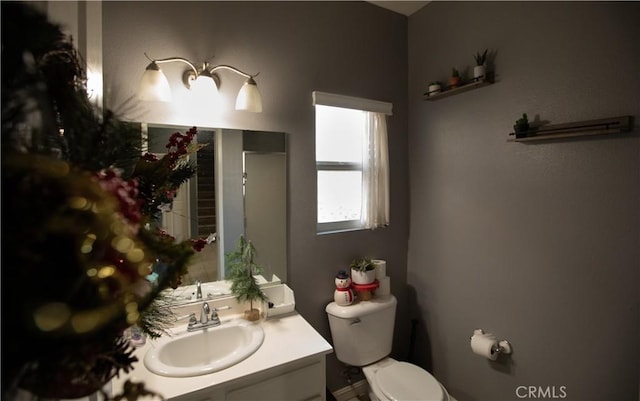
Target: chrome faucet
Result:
[[198, 289], [205, 321], [204, 314]]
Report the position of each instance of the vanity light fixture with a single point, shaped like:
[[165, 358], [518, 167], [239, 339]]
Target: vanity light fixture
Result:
[[154, 85]]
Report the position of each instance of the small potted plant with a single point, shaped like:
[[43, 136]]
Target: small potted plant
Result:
[[454, 81], [434, 88], [362, 271], [242, 269], [521, 127], [480, 69]]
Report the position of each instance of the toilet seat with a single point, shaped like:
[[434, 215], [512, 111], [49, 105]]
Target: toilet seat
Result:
[[402, 381]]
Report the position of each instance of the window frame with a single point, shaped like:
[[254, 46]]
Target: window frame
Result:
[[358, 104]]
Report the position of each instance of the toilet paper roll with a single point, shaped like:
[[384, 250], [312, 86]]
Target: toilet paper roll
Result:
[[384, 286], [484, 345], [381, 268]]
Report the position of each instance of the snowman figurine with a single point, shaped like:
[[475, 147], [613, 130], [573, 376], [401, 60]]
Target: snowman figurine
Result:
[[343, 295]]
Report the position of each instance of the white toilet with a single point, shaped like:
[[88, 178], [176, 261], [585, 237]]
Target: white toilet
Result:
[[362, 335]]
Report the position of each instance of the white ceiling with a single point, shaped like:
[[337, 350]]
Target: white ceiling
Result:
[[401, 7]]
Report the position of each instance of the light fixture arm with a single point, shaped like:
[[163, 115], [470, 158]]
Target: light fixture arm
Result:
[[172, 59], [234, 69]]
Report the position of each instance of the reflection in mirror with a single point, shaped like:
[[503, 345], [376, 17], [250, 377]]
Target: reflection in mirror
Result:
[[265, 212], [192, 212], [239, 189]]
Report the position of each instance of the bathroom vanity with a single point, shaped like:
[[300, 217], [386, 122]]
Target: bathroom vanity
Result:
[[289, 365]]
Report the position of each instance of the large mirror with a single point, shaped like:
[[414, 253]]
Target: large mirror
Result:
[[239, 189]]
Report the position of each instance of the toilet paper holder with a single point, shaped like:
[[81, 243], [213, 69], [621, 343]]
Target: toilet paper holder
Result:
[[502, 346]]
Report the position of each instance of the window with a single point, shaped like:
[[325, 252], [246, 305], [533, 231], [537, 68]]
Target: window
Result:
[[351, 163]]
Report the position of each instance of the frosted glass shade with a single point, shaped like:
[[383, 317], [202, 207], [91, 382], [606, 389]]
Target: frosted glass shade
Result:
[[249, 98], [154, 85]]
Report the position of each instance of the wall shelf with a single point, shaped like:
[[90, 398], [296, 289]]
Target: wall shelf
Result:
[[605, 126], [465, 87]]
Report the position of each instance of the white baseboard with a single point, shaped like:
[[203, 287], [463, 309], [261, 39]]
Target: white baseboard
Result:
[[346, 393]]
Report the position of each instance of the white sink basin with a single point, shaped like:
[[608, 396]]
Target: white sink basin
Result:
[[204, 351]]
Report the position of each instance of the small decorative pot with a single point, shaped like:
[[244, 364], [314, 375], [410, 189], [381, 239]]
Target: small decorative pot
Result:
[[365, 295], [363, 277], [521, 130], [434, 89], [454, 82], [479, 72], [252, 315]]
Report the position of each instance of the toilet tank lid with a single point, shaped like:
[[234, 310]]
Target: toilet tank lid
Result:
[[361, 308]]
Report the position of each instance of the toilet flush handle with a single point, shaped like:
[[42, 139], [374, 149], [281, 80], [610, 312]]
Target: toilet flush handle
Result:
[[355, 321]]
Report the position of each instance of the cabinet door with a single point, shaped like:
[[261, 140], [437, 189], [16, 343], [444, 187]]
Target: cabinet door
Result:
[[303, 384], [202, 395]]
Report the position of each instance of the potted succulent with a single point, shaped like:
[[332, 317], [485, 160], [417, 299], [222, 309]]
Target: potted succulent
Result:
[[454, 81], [521, 127], [434, 88], [480, 69], [242, 269], [362, 271]]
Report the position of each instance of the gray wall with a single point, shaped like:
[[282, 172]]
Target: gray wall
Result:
[[537, 243], [350, 48]]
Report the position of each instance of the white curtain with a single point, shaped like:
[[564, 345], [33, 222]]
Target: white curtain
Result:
[[375, 201]]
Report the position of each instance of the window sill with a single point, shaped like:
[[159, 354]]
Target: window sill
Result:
[[342, 230]]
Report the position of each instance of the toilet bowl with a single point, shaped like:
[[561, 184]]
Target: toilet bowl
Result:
[[391, 380], [362, 334]]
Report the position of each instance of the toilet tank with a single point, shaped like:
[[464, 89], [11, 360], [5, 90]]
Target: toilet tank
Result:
[[363, 332]]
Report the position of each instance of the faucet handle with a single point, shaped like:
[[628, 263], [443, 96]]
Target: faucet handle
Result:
[[192, 319], [214, 312], [190, 316], [215, 319]]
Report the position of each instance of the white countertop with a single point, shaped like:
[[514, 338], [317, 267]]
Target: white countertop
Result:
[[287, 339]]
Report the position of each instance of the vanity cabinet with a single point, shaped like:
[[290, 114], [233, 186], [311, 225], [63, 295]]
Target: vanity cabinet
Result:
[[291, 383], [290, 365], [302, 380]]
